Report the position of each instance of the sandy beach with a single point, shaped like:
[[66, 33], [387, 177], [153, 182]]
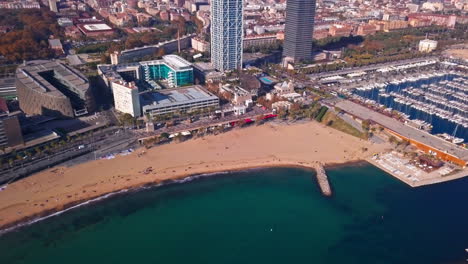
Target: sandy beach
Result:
[[268, 145]]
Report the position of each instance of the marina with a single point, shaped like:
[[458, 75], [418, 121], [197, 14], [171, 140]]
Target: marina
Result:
[[433, 102]]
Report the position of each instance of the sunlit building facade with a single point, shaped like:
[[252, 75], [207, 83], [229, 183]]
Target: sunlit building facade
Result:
[[226, 34]]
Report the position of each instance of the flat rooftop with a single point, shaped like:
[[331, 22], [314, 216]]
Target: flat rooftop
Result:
[[178, 96], [174, 62], [96, 27], [177, 62], [204, 66], [404, 130], [29, 75]]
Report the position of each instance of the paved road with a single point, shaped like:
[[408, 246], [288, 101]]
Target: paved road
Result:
[[112, 140], [406, 131], [368, 68], [204, 122], [102, 143]]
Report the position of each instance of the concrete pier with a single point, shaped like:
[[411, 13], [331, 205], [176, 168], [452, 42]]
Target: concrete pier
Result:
[[323, 180]]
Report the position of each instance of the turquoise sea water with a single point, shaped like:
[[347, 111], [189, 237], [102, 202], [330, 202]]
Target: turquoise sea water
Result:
[[258, 216]]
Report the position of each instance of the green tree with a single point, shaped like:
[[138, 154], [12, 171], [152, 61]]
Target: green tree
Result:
[[366, 125], [38, 150]]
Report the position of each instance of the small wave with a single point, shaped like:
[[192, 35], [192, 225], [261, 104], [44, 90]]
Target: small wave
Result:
[[100, 198], [35, 220], [198, 176]]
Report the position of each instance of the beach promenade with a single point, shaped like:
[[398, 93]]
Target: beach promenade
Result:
[[268, 145]]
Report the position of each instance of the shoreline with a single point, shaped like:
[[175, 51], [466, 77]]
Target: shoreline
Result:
[[29, 220], [300, 145]]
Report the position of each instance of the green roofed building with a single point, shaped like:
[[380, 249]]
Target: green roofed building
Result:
[[151, 77], [171, 69]]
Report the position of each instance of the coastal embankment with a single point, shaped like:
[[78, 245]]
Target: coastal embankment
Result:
[[322, 180], [270, 145]]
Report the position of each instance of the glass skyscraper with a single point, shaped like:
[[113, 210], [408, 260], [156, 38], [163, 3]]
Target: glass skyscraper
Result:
[[226, 34], [298, 30]]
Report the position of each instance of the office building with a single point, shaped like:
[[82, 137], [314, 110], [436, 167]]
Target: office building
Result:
[[145, 87], [171, 71], [183, 99], [226, 34], [126, 98], [51, 88], [298, 30]]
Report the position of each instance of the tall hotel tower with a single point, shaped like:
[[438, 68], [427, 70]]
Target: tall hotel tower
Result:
[[298, 30], [226, 34]]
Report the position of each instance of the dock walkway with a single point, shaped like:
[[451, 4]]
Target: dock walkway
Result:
[[323, 180]]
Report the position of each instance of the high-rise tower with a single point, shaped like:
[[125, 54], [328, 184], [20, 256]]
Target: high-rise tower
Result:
[[298, 30], [226, 34]]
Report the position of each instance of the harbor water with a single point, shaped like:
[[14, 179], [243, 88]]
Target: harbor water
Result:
[[417, 96]]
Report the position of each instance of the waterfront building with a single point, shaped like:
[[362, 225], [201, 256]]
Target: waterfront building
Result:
[[126, 98], [173, 70], [298, 30], [154, 87], [281, 105], [175, 100], [238, 95], [226, 34], [49, 87]]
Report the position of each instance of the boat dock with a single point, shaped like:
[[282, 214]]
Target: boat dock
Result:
[[322, 180]]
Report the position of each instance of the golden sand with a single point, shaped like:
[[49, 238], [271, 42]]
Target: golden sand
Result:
[[257, 146]]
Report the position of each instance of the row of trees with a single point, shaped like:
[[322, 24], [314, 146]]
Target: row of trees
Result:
[[165, 30], [384, 46], [20, 157], [28, 40], [265, 49]]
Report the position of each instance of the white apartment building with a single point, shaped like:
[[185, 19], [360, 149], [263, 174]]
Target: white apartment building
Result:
[[126, 98]]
